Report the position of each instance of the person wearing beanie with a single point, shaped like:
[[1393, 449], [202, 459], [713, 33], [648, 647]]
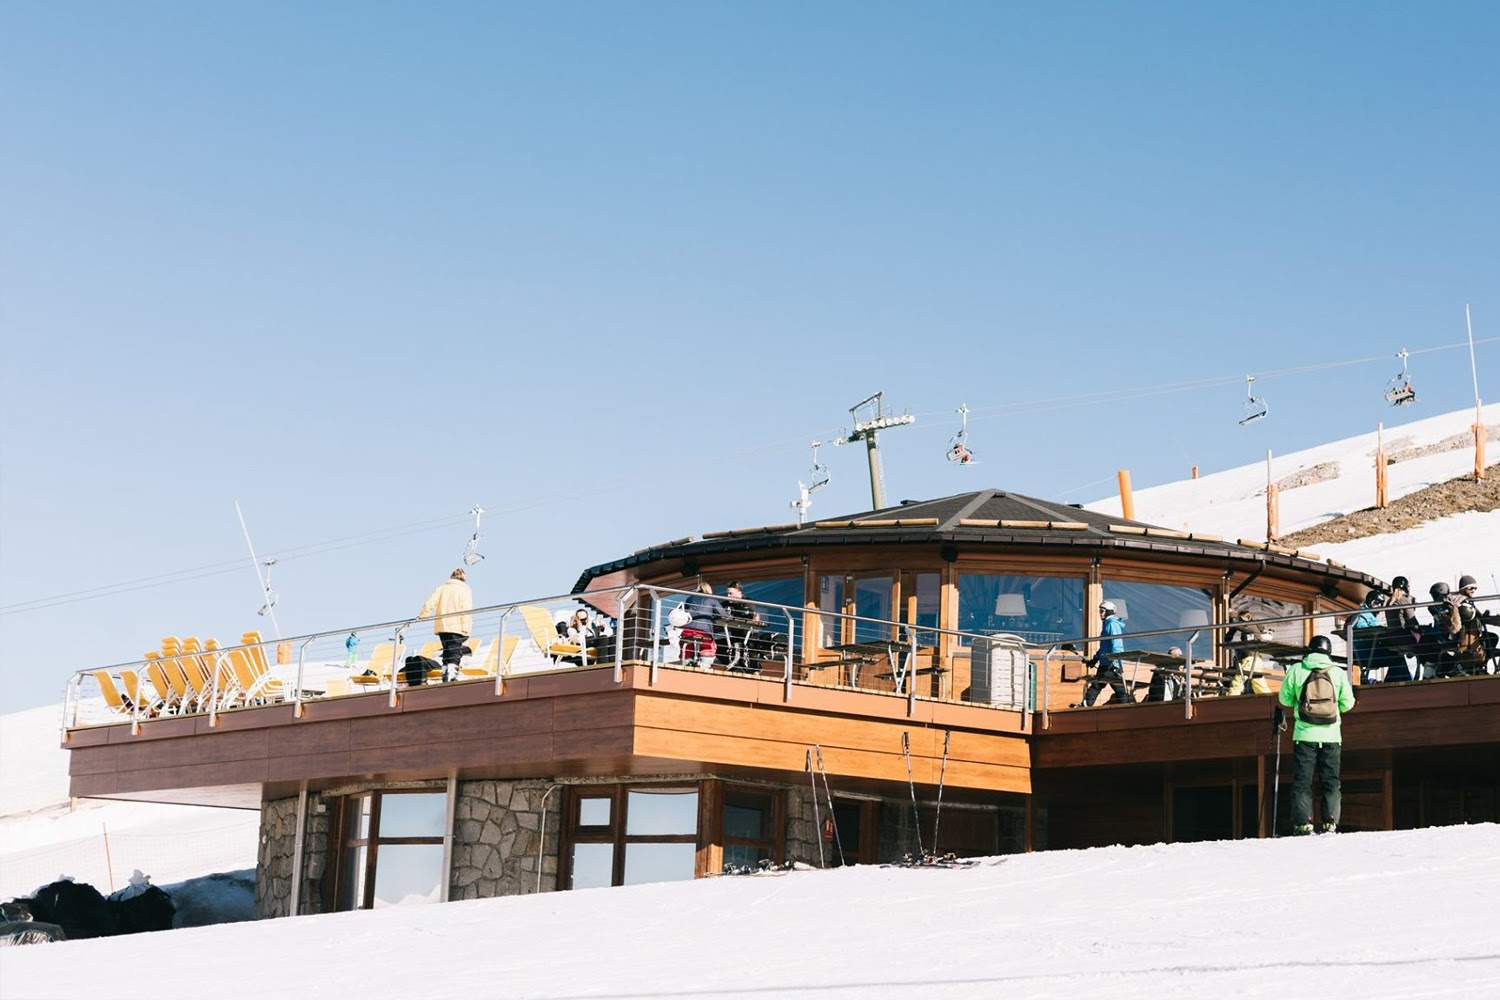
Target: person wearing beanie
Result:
[[1476, 643], [451, 604]]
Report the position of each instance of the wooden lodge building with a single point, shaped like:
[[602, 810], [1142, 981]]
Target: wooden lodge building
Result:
[[881, 667]]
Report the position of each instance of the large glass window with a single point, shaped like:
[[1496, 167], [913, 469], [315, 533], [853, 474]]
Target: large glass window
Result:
[[1148, 607], [1039, 609], [392, 849], [628, 836], [749, 827]]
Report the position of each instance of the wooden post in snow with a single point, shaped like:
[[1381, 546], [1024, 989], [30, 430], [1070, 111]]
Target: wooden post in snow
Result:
[[1273, 513], [1127, 501], [1381, 501]]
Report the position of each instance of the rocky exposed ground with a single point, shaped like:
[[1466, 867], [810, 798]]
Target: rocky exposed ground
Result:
[[1456, 496]]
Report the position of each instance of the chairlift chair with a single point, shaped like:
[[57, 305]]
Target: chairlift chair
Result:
[[472, 555], [1399, 391], [958, 445], [821, 477], [1255, 406]]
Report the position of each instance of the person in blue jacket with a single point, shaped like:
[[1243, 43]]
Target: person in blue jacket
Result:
[[1106, 661]]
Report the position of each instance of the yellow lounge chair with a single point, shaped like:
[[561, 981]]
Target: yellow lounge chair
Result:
[[377, 673], [544, 634]]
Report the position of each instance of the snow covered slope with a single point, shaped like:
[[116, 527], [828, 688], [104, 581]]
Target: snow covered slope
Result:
[[1162, 921]]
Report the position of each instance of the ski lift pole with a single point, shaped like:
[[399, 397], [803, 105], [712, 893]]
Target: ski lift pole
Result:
[[265, 587]]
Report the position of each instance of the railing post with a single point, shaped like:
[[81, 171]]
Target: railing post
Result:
[[297, 691], [626, 600], [1187, 697], [396, 664], [909, 678], [1356, 675], [656, 649], [791, 645], [213, 690], [500, 663]]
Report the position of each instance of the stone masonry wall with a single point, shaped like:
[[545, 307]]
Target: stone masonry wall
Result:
[[276, 853], [498, 828]]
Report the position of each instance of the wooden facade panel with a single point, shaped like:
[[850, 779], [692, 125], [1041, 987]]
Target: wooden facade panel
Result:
[[593, 711], [1186, 741], [155, 729], [235, 772], [790, 758], [470, 722], [603, 740], [256, 717], [218, 748], [309, 766], [1448, 726], [804, 729], [91, 760], [436, 757], [305, 738]]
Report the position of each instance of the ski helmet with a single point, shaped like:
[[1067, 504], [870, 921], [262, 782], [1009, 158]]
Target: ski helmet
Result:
[[1466, 581], [1401, 583], [1108, 606], [1438, 590], [1320, 644]]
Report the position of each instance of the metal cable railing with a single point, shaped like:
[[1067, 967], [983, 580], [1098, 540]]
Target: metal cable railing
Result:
[[655, 626]]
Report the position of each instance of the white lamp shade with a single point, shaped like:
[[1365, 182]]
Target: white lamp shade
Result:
[[1011, 605], [1194, 618], [1122, 612]]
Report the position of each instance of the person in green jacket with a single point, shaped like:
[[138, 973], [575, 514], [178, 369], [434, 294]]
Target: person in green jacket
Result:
[[1316, 747]]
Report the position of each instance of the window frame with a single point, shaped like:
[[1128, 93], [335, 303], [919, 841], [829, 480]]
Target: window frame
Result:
[[349, 812]]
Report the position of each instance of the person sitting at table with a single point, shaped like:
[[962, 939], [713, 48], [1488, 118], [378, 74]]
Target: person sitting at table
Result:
[[740, 619], [1106, 661], [1365, 645], [704, 610]]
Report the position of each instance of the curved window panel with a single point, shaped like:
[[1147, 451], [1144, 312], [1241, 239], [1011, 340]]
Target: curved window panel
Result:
[[1039, 609], [1150, 607]]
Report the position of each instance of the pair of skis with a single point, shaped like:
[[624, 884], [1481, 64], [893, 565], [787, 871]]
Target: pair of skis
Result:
[[817, 749], [922, 858]]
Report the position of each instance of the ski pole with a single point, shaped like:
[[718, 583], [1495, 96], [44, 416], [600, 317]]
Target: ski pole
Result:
[[838, 838], [938, 816], [812, 781], [1276, 781], [912, 782]]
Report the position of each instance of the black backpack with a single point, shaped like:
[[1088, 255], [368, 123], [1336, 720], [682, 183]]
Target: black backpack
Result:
[[1319, 704], [415, 669]]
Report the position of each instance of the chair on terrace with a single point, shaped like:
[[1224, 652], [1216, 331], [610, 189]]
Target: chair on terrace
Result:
[[499, 652], [119, 704], [544, 634], [377, 672]]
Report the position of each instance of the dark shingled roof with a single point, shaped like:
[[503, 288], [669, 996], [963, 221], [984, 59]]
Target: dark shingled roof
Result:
[[988, 517]]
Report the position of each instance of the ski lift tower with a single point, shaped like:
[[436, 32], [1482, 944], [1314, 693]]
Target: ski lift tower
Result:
[[868, 431]]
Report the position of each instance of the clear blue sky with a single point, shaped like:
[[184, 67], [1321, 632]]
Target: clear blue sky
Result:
[[607, 269]]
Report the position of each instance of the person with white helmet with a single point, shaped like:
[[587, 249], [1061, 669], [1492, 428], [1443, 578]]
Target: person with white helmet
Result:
[[1106, 661]]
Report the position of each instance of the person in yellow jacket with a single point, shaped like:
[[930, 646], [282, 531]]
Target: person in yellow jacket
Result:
[[451, 603]]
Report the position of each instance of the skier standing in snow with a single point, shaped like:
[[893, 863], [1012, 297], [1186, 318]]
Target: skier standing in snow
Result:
[[1318, 692]]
